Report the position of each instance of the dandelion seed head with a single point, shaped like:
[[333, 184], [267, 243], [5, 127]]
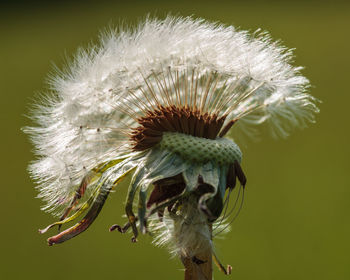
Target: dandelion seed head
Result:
[[157, 101]]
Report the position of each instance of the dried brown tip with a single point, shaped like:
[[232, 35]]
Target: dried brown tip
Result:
[[240, 174], [231, 177]]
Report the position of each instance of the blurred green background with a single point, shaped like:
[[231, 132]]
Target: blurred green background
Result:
[[295, 220]]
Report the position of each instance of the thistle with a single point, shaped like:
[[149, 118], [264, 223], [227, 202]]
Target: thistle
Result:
[[161, 103]]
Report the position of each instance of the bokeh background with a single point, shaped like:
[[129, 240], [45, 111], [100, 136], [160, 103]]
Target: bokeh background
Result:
[[295, 220]]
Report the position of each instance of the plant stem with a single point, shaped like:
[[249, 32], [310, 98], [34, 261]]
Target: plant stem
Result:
[[200, 267]]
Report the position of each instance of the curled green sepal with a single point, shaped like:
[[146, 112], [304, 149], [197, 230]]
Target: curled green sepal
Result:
[[83, 224], [70, 218], [110, 177]]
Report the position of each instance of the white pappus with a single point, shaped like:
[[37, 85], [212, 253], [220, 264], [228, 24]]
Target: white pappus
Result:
[[157, 101]]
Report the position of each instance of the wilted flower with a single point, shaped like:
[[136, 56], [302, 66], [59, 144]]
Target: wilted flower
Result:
[[157, 102]]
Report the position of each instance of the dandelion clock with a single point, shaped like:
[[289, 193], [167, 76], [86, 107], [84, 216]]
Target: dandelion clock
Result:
[[160, 104]]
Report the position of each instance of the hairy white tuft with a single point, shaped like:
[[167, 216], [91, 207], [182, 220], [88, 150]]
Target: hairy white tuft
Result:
[[186, 234], [98, 98]]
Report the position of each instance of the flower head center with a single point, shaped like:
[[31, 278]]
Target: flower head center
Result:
[[176, 119]]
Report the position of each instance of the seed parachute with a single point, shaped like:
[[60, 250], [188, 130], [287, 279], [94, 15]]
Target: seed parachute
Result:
[[161, 103]]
